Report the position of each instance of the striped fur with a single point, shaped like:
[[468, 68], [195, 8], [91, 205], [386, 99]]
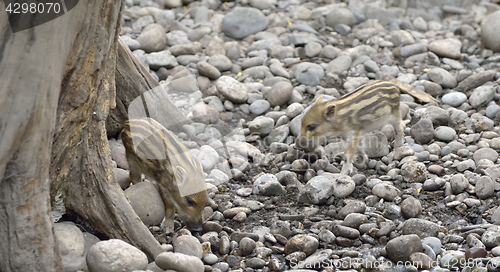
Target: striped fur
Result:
[[367, 108], [154, 151]]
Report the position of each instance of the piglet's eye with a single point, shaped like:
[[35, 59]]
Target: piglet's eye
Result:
[[311, 127], [190, 201]]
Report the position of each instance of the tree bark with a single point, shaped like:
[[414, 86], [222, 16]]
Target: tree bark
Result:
[[68, 62], [81, 161], [32, 63], [133, 82]]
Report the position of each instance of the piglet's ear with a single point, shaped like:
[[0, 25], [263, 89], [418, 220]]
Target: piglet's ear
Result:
[[319, 100], [330, 112]]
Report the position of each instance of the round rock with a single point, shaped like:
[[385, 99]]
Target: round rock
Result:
[[458, 183], [221, 62], [343, 185], [491, 238], [259, 106], [179, 262], [447, 48], [317, 190], [69, 239], [208, 70], [246, 245], [445, 133], [189, 245], [413, 171], [232, 89], [146, 202], [489, 31], [411, 207], [482, 95], [302, 243], [485, 187], [355, 206], [400, 248], [280, 93], [115, 255], [485, 153], [339, 64], [309, 73], [243, 21], [452, 259], [420, 227], [153, 38], [434, 243], [492, 110], [454, 99], [442, 77], [386, 191], [208, 157], [423, 131], [421, 260], [261, 125], [340, 16]]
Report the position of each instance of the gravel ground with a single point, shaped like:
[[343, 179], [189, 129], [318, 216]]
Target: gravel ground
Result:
[[246, 72]]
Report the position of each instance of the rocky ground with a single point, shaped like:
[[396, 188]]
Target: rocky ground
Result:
[[245, 71]]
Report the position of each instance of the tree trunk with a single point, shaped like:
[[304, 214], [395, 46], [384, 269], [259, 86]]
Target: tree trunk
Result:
[[81, 161], [68, 62], [32, 63], [133, 82]]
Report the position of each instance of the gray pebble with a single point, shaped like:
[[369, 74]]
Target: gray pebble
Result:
[[208, 70], [231, 89], [489, 30], [485, 153], [452, 259], [466, 165], [152, 38], [303, 243], [445, 133], [386, 191], [434, 243], [146, 202], [442, 77], [482, 95], [243, 21], [308, 73], [179, 262], [411, 207], [400, 248], [210, 258], [260, 106], [339, 64], [458, 183], [490, 238], [454, 99], [165, 59], [280, 93], [69, 238], [313, 49], [422, 131], [413, 49], [189, 245], [423, 228], [485, 187], [340, 16], [125, 257], [448, 48], [413, 171]]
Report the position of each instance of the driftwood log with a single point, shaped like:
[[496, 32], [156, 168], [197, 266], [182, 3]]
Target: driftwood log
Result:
[[134, 84]]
